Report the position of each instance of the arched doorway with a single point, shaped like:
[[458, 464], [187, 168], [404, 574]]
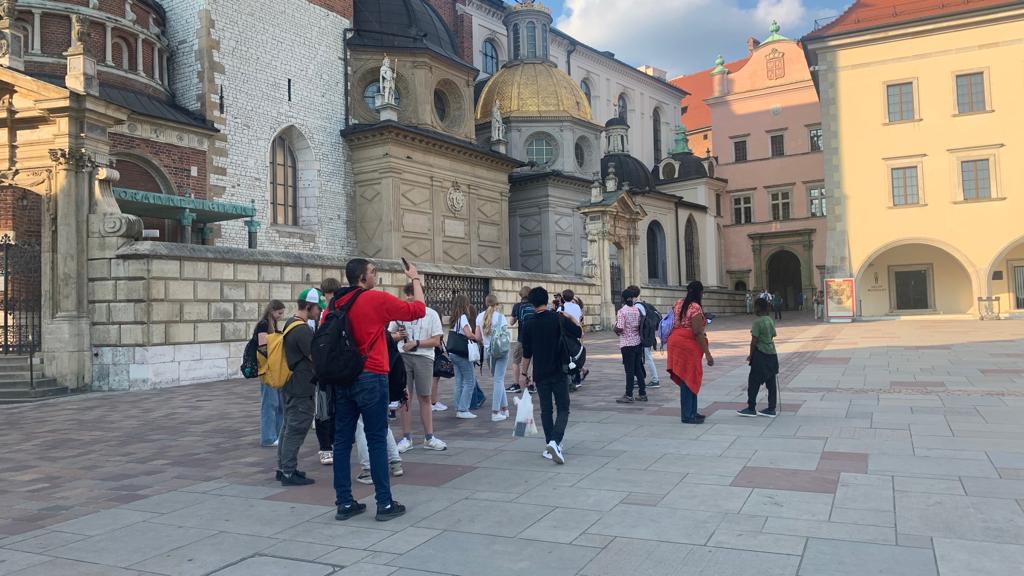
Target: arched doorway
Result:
[[1006, 278], [692, 247], [784, 277], [915, 278], [615, 273], [740, 286]]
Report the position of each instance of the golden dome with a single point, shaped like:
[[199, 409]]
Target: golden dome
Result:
[[532, 90]]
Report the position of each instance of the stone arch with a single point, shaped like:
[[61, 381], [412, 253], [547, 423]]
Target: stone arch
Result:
[[307, 185], [1007, 261], [151, 166], [784, 271], [140, 172], [122, 52], [691, 242], [953, 300]]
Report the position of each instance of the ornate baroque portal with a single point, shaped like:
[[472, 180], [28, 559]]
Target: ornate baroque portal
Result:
[[766, 245]]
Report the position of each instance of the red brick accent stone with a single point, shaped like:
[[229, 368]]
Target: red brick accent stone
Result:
[[175, 161]]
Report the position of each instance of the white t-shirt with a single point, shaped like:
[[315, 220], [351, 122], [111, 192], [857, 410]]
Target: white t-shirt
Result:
[[574, 310], [497, 321], [422, 329]]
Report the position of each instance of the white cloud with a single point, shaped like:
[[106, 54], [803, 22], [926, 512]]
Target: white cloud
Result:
[[680, 36]]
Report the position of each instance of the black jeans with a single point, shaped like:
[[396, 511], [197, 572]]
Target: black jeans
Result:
[[633, 360], [557, 387], [325, 434], [763, 368]]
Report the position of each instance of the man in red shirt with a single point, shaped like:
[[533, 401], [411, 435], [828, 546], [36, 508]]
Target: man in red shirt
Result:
[[368, 396]]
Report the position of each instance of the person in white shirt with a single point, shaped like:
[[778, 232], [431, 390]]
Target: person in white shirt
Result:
[[570, 307], [417, 340], [489, 324]]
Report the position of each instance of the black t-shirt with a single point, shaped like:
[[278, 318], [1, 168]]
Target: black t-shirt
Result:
[[541, 337], [297, 345], [262, 326]]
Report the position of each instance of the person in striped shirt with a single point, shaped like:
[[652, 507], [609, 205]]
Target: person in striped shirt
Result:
[[627, 325]]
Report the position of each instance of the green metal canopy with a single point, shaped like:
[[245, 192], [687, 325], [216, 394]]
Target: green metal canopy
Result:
[[156, 205]]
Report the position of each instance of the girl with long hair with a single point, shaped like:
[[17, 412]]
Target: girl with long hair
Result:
[[463, 321], [490, 323], [687, 346], [271, 407]]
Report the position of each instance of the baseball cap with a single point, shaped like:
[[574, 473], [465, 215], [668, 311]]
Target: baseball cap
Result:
[[311, 295]]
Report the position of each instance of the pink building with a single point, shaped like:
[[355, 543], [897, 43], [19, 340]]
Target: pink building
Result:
[[767, 137]]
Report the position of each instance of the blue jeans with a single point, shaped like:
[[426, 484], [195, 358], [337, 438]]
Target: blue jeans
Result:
[[368, 397], [499, 399], [271, 414], [687, 403], [465, 382]]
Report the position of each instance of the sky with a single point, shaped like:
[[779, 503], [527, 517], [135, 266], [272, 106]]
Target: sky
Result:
[[684, 36]]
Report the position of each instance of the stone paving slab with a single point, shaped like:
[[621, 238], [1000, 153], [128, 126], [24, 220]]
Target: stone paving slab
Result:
[[884, 451]]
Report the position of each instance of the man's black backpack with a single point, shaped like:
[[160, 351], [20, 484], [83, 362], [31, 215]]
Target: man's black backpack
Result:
[[649, 326], [574, 354], [396, 372], [336, 357]]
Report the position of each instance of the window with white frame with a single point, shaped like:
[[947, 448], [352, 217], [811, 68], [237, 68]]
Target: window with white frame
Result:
[[781, 204], [970, 92], [816, 200], [540, 150], [742, 209], [814, 135]]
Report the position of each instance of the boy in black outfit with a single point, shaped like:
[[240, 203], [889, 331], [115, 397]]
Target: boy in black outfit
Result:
[[764, 362], [542, 347]]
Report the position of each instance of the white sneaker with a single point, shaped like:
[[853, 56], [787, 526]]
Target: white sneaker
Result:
[[404, 445], [394, 405], [364, 477], [435, 443], [438, 407], [326, 457], [546, 454], [499, 417], [396, 468], [465, 415], [556, 452]]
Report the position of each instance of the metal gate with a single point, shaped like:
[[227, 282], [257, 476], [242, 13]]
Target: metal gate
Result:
[[439, 289], [1018, 286], [20, 296]]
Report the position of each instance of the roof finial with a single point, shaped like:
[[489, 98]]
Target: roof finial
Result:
[[681, 146], [773, 33], [719, 66]]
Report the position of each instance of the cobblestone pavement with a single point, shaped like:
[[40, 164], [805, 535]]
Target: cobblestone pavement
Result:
[[899, 450]]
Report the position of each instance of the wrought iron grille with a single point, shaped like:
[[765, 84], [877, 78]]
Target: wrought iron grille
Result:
[[20, 296], [439, 289]]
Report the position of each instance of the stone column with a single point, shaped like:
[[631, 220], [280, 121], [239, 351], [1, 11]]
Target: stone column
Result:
[[36, 33], [138, 57], [156, 62], [252, 225], [108, 56], [759, 275], [186, 220]]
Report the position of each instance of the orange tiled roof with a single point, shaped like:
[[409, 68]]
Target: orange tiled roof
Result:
[[698, 84], [867, 14]]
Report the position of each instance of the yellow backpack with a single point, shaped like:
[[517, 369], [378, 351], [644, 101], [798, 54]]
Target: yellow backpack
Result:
[[274, 370]]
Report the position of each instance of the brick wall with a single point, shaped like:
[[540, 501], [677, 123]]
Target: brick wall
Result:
[[147, 58], [24, 221], [175, 161], [55, 37], [116, 51], [342, 8]]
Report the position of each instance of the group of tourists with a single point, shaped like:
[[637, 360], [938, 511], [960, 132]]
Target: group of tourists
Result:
[[347, 354]]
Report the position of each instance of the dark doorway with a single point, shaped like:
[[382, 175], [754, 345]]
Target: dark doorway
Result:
[[911, 289], [615, 269], [784, 277], [740, 286]]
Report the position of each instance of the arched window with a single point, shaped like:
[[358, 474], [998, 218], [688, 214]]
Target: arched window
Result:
[[531, 40], [657, 266], [283, 183], [515, 41], [668, 171], [623, 108], [692, 251], [585, 87], [119, 53], [490, 52], [656, 118]]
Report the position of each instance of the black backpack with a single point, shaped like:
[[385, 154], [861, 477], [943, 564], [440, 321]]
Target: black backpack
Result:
[[396, 372], [573, 353], [336, 357], [250, 368], [649, 326]]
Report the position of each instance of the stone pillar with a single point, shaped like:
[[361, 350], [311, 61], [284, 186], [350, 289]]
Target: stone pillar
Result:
[[108, 56], [156, 62], [37, 37], [186, 220], [252, 225], [759, 275], [138, 57]]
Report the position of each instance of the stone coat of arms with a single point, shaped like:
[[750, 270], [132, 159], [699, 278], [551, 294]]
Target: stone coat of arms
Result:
[[456, 198]]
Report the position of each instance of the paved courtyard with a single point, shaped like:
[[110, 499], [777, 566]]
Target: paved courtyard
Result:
[[899, 450]]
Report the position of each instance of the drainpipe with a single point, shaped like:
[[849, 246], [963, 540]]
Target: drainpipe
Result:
[[568, 57], [348, 89]]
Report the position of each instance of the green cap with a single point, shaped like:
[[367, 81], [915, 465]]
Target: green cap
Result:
[[312, 295]]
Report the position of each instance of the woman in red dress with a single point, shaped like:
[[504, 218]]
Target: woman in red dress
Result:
[[687, 345]]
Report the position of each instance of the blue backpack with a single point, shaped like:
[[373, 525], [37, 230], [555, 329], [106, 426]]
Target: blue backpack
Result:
[[667, 323]]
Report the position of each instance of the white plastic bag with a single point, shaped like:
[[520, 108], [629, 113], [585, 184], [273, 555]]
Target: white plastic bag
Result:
[[474, 353], [525, 425]]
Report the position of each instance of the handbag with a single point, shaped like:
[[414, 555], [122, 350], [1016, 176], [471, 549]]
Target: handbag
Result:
[[443, 367], [478, 398], [458, 344]]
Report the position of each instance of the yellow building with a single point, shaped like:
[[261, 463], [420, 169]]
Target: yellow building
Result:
[[924, 134]]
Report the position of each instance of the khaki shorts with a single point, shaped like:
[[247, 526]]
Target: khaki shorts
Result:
[[516, 348], [419, 373]]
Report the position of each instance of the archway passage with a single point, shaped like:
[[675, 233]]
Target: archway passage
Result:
[[20, 271], [1006, 278], [615, 273], [740, 286], [784, 277], [914, 278]]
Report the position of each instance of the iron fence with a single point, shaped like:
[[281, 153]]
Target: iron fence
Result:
[[20, 296]]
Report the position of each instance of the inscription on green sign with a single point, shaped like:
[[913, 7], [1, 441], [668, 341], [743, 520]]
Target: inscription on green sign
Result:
[[197, 204]]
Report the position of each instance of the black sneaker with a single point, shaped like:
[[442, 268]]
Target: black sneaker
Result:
[[767, 412], [532, 388], [390, 512], [625, 400], [747, 412], [641, 398], [295, 480], [696, 421], [349, 510], [279, 475], [654, 384], [700, 418], [514, 388]]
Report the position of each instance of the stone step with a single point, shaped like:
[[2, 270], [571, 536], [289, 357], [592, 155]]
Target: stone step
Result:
[[21, 375], [22, 392], [11, 360], [15, 367]]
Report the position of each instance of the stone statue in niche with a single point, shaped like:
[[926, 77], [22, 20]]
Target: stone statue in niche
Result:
[[387, 81], [80, 32], [8, 9], [497, 126], [129, 14]]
